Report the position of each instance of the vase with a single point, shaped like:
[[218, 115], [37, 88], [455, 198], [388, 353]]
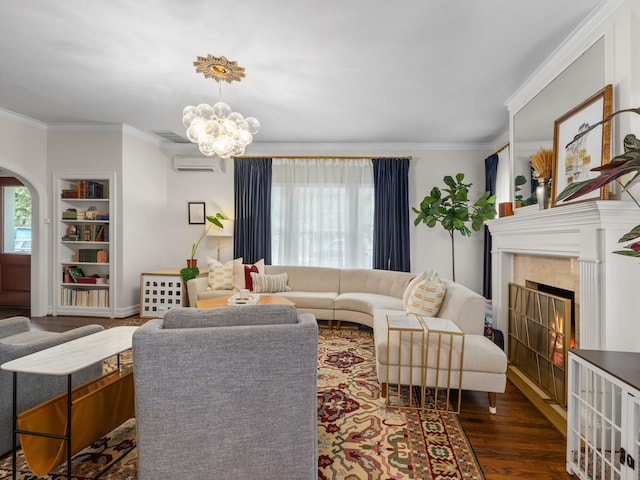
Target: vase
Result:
[[192, 262], [543, 192]]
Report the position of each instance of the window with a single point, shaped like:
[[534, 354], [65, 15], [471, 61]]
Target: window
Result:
[[322, 212], [16, 214]]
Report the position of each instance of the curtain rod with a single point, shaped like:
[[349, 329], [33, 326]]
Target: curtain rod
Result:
[[325, 156], [500, 149]]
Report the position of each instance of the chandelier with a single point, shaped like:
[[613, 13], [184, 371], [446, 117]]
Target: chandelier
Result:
[[216, 129]]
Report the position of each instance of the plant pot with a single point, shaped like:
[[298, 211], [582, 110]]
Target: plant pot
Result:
[[192, 262]]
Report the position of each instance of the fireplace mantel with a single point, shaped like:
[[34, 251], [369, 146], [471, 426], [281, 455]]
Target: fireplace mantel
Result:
[[589, 232]]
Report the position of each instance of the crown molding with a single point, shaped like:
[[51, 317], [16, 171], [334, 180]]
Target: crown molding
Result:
[[577, 41], [10, 115]]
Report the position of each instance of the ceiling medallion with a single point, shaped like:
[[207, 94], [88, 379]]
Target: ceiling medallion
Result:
[[219, 68]]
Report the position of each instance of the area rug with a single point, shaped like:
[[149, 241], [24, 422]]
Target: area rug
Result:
[[361, 438], [358, 436]]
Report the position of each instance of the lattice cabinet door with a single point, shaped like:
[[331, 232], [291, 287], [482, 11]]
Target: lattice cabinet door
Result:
[[603, 415], [160, 291]]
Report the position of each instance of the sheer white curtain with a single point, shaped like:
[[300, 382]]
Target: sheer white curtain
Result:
[[322, 212], [504, 178]]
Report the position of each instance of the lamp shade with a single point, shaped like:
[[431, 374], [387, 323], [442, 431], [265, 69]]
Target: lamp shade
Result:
[[226, 231]]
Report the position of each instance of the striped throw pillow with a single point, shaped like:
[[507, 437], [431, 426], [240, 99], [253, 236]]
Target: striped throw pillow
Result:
[[263, 283], [407, 291], [427, 296], [220, 274]]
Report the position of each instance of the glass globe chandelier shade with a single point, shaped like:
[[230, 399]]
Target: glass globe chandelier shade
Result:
[[217, 130]]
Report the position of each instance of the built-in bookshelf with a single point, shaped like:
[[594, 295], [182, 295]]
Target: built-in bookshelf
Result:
[[83, 238]]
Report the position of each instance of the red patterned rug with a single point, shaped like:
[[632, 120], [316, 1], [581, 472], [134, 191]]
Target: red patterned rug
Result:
[[361, 438], [358, 436]]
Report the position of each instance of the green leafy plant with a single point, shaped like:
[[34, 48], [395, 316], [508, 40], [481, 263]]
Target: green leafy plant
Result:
[[532, 200], [450, 207], [621, 165], [518, 182], [192, 271]]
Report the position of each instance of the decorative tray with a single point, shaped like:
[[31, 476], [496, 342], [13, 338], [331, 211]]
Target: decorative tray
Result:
[[237, 300]]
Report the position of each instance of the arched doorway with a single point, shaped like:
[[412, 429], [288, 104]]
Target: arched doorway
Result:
[[16, 243]]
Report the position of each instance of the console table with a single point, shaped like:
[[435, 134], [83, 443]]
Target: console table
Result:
[[66, 359]]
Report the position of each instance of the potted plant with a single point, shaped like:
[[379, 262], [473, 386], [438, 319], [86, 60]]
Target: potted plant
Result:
[[453, 211], [626, 163], [192, 270]]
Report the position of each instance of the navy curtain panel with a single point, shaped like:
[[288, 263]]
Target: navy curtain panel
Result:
[[252, 229], [391, 214], [491, 173]]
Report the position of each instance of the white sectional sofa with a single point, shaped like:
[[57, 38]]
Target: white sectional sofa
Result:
[[366, 297]]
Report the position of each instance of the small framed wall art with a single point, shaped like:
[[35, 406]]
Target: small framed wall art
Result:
[[575, 159], [196, 213]]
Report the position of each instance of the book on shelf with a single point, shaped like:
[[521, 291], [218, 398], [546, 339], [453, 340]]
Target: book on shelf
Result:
[[87, 280], [88, 233], [69, 193], [92, 255], [70, 273], [77, 297], [84, 189], [70, 214]]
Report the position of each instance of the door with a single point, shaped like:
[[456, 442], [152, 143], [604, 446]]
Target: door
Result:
[[15, 257]]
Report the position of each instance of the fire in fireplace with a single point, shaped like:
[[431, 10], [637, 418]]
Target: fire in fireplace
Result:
[[541, 329]]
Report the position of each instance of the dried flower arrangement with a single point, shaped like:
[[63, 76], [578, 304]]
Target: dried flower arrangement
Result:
[[542, 163]]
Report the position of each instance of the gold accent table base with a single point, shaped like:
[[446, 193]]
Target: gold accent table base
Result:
[[424, 334]]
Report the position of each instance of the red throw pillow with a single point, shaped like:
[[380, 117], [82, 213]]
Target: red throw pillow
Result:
[[248, 283]]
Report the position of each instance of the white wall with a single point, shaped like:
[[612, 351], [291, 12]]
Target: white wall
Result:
[[216, 190], [431, 247], [143, 212], [23, 152]]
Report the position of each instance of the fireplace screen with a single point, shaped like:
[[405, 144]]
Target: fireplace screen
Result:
[[539, 334]]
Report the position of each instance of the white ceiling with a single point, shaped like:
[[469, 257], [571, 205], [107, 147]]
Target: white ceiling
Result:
[[356, 71]]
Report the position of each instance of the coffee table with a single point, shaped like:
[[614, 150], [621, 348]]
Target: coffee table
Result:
[[218, 302], [66, 359]]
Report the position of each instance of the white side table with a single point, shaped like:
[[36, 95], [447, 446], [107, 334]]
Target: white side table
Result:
[[441, 335]]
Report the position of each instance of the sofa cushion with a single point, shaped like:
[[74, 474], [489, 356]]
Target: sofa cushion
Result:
[[407, 292], [308, 279], [427, 296], [179, 317], [482, 355], [366, 302], [270, 283], [382, 282], [221, 274], [315, 300]]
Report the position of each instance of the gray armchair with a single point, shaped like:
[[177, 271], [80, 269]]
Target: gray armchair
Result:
[[17, 340], [227, 393]]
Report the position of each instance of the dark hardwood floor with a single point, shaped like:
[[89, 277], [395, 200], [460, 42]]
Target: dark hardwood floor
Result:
[[517, 442]]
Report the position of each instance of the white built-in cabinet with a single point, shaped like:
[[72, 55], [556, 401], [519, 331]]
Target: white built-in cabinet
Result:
[[603, 415], [83, 244]]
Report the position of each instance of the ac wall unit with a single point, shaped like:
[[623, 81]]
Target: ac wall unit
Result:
[[184, 163]]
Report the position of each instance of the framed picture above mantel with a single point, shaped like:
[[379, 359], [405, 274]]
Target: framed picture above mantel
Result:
[[575, 159]]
